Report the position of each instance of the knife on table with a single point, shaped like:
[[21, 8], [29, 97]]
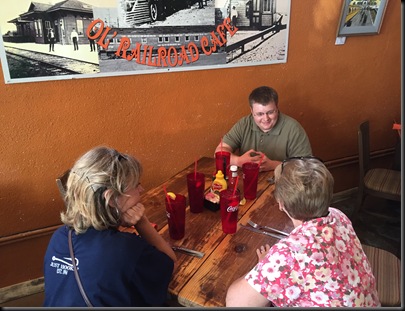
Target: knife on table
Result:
[[187, 251], [262, 232]]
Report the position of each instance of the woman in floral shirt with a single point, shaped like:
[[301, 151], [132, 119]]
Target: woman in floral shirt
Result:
[[321, 263]]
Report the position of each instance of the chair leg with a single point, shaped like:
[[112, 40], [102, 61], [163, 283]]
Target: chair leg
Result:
[[357, 208]]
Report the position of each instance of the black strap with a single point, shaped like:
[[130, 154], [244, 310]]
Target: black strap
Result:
[[88, 303]]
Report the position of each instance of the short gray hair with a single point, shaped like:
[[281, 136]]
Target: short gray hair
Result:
[[305, 187]]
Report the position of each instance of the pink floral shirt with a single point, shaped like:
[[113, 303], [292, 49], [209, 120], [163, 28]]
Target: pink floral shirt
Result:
[[320, 264]]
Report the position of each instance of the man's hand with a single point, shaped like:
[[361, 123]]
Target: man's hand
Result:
[[249, 156], [266, 164]]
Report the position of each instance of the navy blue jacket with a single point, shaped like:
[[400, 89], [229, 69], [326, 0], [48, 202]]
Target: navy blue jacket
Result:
[[117, 269]]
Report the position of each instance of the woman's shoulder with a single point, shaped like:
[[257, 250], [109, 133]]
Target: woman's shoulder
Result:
[[116, 236], [339, 214], [112, 241], [62, 231]]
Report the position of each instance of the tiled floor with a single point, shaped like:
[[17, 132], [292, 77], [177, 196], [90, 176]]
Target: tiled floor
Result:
[[378, 223]]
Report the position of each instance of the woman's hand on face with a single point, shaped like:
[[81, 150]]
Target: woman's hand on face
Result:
[[132, 215]]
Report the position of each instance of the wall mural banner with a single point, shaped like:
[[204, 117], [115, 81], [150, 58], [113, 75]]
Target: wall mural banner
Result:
[[72, 39]]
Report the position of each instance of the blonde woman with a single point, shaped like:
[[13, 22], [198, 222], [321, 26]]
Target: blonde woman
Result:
[[115, 269]]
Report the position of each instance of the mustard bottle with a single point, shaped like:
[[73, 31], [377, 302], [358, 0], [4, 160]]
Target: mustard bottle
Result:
[[219, 184]]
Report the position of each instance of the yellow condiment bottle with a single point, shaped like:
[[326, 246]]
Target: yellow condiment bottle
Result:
[[219, 184]]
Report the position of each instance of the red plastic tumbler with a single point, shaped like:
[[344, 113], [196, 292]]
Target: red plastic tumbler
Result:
[[196, 187], [250, 177], [229, 204], [176, 216], [222, 160]]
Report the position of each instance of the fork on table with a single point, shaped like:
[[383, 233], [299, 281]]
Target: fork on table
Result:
[[257, 226]]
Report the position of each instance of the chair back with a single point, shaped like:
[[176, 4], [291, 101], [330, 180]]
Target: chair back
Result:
[[61, 182], [377, 182], [364, 148]]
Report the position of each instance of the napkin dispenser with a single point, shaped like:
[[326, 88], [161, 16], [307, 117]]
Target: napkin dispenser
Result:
[[211, 201]]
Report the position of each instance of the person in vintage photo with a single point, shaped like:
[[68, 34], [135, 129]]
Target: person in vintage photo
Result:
[[234, 16], [51, 38], [91, 39], [74, 36]]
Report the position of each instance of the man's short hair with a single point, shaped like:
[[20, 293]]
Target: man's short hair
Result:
[[263, 95]]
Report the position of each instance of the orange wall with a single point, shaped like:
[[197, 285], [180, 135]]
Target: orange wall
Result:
[[169, 119]]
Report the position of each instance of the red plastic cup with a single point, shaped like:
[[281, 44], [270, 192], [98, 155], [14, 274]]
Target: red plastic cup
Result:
[[176, 216], [229, 204], [250, 176], [222, 160], [196, 188]]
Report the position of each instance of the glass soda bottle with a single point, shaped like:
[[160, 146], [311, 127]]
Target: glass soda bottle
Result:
[[233, 176]]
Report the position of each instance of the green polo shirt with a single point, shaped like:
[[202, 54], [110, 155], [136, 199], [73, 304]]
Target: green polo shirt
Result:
[[286, 139]]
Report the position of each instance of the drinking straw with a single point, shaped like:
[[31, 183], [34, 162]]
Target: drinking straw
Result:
[[261, 160], [397, 126], [236, 185]]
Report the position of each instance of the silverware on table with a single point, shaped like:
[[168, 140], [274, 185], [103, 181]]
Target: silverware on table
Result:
[[260, 227], [188, 251], [262, 232]]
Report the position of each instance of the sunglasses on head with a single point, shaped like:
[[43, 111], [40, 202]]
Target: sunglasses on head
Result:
[[297, 158]]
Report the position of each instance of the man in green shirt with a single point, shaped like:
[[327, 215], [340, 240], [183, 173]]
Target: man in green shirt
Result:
[[266, 135]]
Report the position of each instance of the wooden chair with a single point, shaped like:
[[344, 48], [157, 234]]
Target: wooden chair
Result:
[[386, 268], [378, 182], [61, 183]]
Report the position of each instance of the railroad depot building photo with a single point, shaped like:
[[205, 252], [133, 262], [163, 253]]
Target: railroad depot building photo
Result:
[[249, 14], [63, 17]]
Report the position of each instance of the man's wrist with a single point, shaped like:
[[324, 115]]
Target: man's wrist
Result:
[[234, 160], [274, 164]]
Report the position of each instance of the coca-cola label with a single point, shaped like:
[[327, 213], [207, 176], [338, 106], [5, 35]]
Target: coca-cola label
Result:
[[231, 209]]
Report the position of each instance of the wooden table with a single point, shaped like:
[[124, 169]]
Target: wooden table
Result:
[[203, 282]]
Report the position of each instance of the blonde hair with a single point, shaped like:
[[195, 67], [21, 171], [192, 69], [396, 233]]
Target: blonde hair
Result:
[[100, 169], [305, 187]]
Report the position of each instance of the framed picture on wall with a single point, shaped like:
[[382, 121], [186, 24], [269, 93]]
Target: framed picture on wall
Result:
[[361, 17], [45, 40]]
